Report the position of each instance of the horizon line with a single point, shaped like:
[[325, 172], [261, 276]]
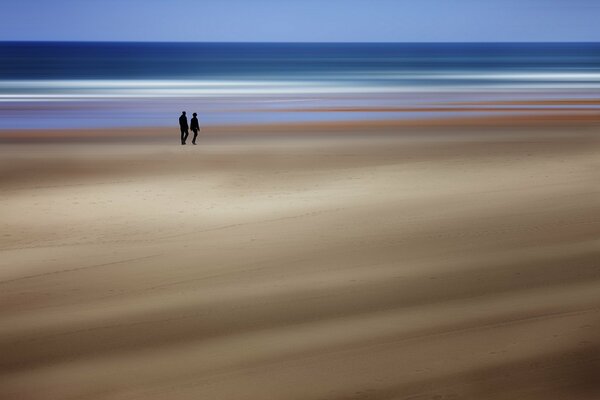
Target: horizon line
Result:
[[300, 42]]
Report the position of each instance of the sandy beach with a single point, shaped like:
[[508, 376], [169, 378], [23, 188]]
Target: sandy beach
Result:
[[453, 262]]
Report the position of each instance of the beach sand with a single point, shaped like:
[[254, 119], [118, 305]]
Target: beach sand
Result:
[[402, 263]]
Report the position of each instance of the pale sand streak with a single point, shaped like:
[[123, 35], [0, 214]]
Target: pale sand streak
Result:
[[437, 265]]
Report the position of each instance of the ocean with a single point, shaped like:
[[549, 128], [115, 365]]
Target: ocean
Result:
[[118, 84]]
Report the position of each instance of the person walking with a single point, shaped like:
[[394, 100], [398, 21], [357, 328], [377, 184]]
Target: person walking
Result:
[[183, 125], [194, 127]]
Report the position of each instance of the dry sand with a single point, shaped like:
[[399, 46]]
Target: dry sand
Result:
[[450, 264]]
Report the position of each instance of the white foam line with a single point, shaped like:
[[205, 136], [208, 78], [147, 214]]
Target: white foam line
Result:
[[317, 90], [469, 76], [19, 84]]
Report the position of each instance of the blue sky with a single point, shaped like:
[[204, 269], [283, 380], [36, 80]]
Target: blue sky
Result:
[[302, 20]]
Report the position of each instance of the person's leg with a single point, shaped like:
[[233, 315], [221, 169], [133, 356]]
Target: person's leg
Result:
[[183, 135], [195, 136]]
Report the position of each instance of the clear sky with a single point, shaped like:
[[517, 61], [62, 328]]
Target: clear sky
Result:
[[301, 20]]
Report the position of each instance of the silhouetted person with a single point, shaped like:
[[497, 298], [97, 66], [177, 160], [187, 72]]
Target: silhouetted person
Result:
[[183, 125], [194, 127]]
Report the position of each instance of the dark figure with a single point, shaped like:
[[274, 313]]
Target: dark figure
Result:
[[194, 127], [183, 125]]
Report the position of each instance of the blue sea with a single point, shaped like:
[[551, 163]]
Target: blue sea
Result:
[[98, 84]]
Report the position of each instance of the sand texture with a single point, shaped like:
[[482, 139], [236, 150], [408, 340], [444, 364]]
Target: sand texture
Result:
[[431, 264]]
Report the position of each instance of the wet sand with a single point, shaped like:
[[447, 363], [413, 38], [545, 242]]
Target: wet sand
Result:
[[398, 263]]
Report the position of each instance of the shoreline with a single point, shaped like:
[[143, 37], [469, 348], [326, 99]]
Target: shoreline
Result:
[[560, 120]]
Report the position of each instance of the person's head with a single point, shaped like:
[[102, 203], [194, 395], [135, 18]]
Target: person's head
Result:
[[183, 113], [194, 114]]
